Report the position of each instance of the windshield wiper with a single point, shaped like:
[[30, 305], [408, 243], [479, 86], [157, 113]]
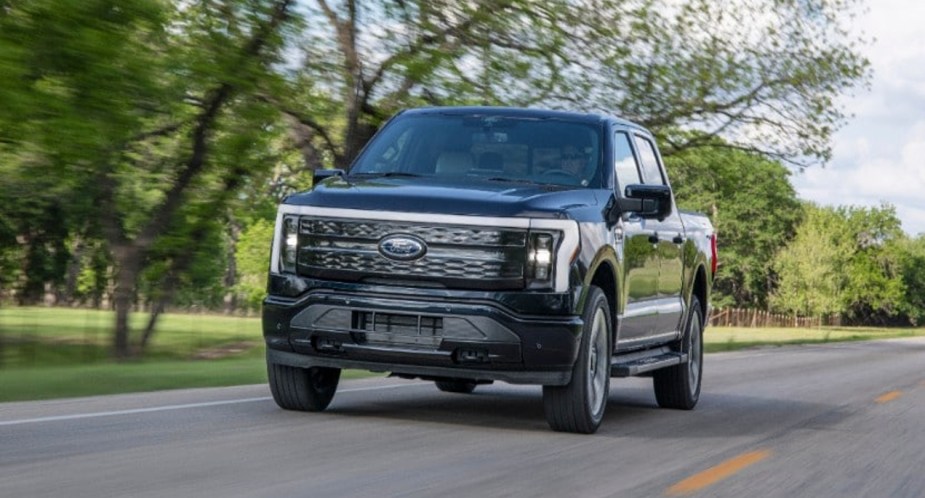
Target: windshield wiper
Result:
[[388, 174], [514, 180], [400, 173]]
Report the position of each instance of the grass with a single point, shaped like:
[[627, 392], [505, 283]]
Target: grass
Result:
[[49, 382], [56, 352], [735, 338], [41, 336]]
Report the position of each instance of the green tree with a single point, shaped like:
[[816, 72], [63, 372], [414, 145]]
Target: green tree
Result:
[[764, 76], [136, 136], [810, 275], [842, 262], [754, 209], [252, 254], [135, 107], [364, 60], [874, 291], [912, 260]]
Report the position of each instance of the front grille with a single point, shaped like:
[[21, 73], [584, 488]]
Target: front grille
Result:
[[456, 257], [458, 236]]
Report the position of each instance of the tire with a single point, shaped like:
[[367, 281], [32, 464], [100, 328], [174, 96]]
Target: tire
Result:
[[679, 386], [302, 389], [461, 386], [579, 406]]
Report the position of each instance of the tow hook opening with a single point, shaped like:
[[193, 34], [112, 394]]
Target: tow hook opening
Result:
[[468, 355], [327, 345]]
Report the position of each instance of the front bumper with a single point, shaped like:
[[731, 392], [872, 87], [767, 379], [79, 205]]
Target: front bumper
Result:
[[413, 333]]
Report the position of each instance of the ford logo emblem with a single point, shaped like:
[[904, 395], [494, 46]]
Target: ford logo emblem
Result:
[[402, 247]]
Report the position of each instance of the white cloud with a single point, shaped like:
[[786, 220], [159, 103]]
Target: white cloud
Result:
[[870, 176], [880, 156]]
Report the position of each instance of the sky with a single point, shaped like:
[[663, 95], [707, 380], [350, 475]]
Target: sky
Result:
[[879, 156]]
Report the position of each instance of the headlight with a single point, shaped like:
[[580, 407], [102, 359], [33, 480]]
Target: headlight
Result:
[[289, 246], [541, 259]]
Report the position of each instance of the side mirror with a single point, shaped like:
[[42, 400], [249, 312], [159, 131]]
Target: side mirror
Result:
[[324, 174], [647, 201]]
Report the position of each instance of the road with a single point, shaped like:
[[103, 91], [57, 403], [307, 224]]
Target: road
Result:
[[831, 420]]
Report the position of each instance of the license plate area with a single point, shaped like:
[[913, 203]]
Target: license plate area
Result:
[[380, 328]]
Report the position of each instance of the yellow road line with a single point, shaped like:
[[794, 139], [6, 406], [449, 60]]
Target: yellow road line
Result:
[[715, 474], [887, 397]]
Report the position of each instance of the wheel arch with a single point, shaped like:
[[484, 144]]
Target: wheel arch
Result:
[[605, 279], [700, 290], [603, 274]]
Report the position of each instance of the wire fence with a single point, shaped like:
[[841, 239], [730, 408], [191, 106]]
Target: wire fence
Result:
[[741, 317]]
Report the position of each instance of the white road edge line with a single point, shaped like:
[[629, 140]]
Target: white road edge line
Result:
[[176, 407]]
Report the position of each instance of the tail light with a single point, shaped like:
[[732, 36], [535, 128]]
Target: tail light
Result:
[[713, 254]]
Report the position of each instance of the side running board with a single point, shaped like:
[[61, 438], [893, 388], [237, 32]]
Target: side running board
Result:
[[630, 364]]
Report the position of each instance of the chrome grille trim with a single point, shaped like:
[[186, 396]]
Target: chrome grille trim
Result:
[[459, 254], [564, 256], [449, 235]]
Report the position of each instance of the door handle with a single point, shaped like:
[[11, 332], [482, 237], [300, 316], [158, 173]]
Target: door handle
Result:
[[653, 238], [678, 239]]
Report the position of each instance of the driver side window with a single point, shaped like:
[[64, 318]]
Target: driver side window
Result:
[[624, 162]]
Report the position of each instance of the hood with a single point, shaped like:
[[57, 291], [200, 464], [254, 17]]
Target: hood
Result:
[[460, 196]]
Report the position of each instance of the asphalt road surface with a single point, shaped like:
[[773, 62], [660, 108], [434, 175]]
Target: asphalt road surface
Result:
[[819, 421]]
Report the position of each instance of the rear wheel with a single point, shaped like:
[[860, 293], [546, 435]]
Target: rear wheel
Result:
[[303, 389], [579, 406], [461, 386], [679, 386]]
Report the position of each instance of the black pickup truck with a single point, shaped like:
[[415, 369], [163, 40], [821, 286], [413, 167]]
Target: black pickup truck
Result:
[[474, 244]]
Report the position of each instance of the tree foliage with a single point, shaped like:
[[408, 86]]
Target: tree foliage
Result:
[[754, 209], [764, 76], [911, 255], [145, 112], [844, 262], [144, 144], [252, 261]]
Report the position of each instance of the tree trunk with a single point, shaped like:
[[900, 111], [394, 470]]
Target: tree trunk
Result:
[[357, 135], [231, 273], [73, 272], [127, 262], [156, 309], [30, 290], [302, 136]]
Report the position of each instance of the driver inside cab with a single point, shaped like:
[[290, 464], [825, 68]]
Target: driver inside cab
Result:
[[574, 162]]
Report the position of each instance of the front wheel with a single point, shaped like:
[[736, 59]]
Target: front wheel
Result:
[[302, 389], [679, 386], [579, 406]]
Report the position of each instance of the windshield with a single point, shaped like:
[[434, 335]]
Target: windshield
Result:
[[491, 147]]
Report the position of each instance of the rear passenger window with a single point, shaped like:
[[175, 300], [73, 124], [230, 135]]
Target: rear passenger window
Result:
[[651, 172], [624, 163]]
